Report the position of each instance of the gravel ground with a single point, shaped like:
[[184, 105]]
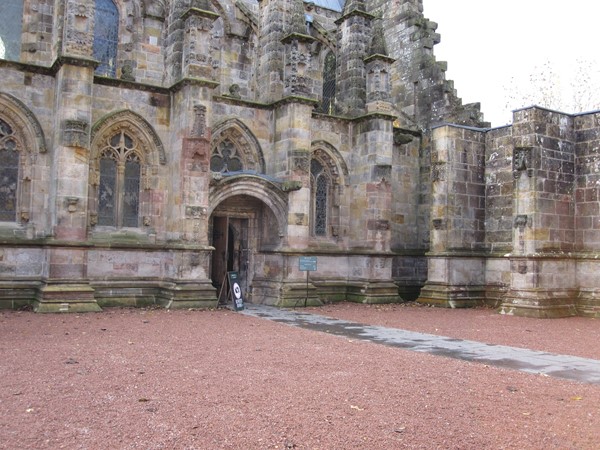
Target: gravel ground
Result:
[[153, 379]]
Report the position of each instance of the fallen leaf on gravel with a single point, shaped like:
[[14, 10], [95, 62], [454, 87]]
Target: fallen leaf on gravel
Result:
[[576, 399], [356, 407], [400, 430], [29, 410], [143, 400], [71, 361], [526, 413], [130, 342]]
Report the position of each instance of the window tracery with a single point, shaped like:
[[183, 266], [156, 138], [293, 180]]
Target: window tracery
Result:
[[320, 187], [120, 171], [9, 173], [226, 158]]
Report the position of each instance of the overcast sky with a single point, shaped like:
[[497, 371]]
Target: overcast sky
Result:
[[493, 45]]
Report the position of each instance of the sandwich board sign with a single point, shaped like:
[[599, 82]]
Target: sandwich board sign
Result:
[[236, 291]]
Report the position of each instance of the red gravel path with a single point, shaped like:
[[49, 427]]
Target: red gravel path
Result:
[[154, 379]]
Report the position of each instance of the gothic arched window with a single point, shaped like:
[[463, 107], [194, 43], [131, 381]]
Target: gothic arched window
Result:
[[11, 21], [327, 105], [119, 184], [9, 173], [106, 37], [320, 184]]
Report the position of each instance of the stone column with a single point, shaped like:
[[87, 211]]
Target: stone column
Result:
[[543, 278], [66, 287], [456, 261], [197, 62], [271, 49], [354, 39]]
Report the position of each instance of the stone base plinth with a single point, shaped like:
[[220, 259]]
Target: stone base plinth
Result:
[[182, 295], [452, 296], [59, 298], [588, 303], [539, 303], [285, 294], [373, 292], [132, 293]]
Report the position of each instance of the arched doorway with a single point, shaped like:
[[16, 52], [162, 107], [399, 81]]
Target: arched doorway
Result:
[[240, 228]]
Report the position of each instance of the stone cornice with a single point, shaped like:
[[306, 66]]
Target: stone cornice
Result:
[[380, 57], [201, 13], [193, 81], [355, 12], [299, 37], [295, 99]]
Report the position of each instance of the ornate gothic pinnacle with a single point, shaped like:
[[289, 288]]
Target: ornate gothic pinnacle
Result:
[[298, 24], [354, 5], [378, 46]]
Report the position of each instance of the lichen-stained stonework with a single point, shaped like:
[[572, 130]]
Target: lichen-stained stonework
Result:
[[147, 148]]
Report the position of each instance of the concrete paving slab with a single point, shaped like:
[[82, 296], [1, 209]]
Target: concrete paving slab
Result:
[[532, 361]]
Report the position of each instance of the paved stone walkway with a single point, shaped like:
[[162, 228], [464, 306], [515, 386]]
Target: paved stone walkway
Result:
[[561, 366]]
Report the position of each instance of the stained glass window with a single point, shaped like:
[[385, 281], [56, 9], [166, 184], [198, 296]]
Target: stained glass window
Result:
[[106, 37], [9, 173], [11, 20], [328, 84], [119, 189], [320, 188]]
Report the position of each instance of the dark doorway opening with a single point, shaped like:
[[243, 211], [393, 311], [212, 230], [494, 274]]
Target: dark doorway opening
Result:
[[232, 253]]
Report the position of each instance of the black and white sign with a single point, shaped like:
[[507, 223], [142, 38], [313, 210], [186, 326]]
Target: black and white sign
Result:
[[236, 291]]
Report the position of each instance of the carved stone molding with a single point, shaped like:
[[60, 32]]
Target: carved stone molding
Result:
[[75, 133]]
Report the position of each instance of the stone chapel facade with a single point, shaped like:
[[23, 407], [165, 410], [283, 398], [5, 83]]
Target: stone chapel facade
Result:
[[148, 147]]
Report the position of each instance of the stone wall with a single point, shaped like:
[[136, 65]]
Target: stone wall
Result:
[[421, 199]]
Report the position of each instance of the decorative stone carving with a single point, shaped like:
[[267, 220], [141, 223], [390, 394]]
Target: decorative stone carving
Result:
[[199, 128], [522, 161], [300, 161], [378, 225], [288, 186], [24, 217], [438, 171], [146, 221], [521, 222], [438, 224], [78, 38], [127, 72], [93, 219], [195, 212], [75, 133], [72, 203]]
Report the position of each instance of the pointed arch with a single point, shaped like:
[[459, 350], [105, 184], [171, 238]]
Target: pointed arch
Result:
[[137, 125], [24, 122], [21, 140], [233, 141], [124, 159], [333, 159], [328, 175]]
